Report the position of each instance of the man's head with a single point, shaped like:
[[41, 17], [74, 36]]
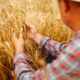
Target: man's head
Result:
[[70, 13]]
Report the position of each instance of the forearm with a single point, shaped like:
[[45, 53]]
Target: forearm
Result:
[[23, 69], [22, 66], [61, 68], [51, 47]]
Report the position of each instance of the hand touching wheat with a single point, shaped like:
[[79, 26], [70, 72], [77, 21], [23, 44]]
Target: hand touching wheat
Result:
[[33, 33]]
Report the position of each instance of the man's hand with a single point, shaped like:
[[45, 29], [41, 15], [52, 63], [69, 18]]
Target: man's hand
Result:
[[18, 43], [33, 34]]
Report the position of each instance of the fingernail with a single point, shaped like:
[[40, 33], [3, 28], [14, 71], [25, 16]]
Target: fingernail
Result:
[[13, 30], [26, 22], [22, 21], [22, 26], [20, 34], [14, 33]]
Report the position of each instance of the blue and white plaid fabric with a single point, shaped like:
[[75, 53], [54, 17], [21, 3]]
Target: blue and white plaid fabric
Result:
[[65, 67]]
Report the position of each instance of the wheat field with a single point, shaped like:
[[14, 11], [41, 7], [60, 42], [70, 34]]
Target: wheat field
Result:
[[43, 14]]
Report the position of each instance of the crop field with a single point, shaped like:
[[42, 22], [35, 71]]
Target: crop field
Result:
[[43, 14]]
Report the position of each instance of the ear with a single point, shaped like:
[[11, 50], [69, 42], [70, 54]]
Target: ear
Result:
[[65, 5]]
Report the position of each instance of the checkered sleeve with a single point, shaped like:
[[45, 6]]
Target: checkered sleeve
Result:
[[65, 67], [50, 47]]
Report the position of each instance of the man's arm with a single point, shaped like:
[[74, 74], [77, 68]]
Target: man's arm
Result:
[[60, 69], [50, 47], [66, 65], [45, 44]]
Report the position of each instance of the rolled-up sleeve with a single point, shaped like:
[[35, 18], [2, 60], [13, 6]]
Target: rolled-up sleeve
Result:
[[51, 47]]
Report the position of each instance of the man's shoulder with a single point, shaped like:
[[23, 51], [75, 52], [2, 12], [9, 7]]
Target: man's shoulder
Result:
[[73, 47]]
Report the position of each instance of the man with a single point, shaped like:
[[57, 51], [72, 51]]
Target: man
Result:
[[67, 64]]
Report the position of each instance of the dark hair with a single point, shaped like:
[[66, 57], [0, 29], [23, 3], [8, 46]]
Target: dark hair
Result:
[[77, 4], [59, 0]]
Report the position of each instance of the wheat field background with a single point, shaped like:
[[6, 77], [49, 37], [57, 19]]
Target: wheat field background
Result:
[[43, 14]]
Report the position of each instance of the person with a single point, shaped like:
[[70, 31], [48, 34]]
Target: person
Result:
[[67, 63]]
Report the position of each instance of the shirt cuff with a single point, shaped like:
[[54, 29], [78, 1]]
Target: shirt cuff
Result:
[[42, 43], [19, 56]]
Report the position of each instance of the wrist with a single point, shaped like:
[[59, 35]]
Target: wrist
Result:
[[37, 38], [19, 50]]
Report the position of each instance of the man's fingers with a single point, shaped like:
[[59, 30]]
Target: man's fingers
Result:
[[14, 36], [29, 25], [21, 36]]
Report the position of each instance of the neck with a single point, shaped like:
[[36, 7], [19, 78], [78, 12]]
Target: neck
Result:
[[76, 20], [75, 17], [76, 24], [76, 29]]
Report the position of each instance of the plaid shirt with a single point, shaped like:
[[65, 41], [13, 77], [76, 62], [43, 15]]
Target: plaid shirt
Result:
[[65, 67]]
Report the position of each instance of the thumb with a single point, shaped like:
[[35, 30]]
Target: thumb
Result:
[[14, 37], [29, 25], [21, 36]]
